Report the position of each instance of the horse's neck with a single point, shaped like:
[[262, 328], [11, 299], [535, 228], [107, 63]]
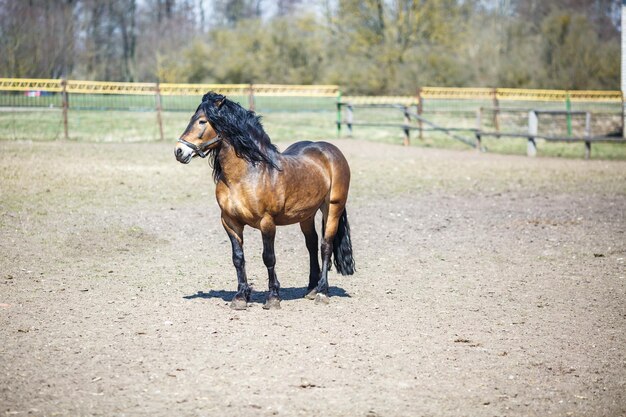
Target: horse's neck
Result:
[[235, 168]]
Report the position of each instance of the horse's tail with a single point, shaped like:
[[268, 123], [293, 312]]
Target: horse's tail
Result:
[[342, 247]]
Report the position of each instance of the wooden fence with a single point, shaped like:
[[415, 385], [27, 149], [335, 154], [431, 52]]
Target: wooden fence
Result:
[[457, 112], [157, 92], [488, 107]]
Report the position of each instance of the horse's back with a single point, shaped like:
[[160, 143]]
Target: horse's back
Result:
[[297, 148], [324, 151]]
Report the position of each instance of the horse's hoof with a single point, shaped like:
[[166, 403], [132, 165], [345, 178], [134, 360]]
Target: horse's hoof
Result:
[[238, 304], [272, 304], [322, 299], [311, 294]]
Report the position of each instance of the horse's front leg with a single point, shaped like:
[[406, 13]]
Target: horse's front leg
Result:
[[235, 233], [268, 232]]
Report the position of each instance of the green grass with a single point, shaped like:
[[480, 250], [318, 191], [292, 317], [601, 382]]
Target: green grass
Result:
[[517, 146], [125, 126], [40, 125]]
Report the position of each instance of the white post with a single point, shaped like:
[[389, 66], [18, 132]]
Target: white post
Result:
[[587, 135], [479, 123], [349, 117], [623, 85], [533, 128]]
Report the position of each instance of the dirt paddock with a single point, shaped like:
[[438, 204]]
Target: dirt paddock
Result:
[[486, 285]]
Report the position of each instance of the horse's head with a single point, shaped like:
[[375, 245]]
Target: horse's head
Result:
[[198, 139]]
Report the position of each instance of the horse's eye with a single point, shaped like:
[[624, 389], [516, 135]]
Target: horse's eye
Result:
[[202, 122]]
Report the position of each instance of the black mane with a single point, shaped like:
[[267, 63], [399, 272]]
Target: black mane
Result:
[[241, 128]]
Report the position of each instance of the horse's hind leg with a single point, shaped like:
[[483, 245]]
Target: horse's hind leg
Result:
[[331, 223], [311, 238]]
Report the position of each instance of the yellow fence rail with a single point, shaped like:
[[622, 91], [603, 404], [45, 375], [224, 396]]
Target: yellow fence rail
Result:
[[403, 100], [29, 84], [501, 94], [559, 95], [102, 87], [200, 89]]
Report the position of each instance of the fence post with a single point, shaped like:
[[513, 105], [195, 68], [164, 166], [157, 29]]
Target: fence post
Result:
[[251, 103], [158, 110], [407, 131], [349, 118], [623, 116], [568, 108], [533, 127], [338, 114], [496, 110], [479, 118], [587, 135], [420, 109], [65, 103]]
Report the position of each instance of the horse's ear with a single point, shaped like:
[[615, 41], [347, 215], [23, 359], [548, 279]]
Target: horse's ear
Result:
[[214, 98]]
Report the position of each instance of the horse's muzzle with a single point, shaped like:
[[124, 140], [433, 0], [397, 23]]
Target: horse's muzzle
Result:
[[183, 154]]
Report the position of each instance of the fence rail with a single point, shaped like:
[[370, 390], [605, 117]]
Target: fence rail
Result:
[[505, 94], [105, 87], [28, 84]]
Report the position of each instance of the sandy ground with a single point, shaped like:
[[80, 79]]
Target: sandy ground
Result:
[[486, 285]]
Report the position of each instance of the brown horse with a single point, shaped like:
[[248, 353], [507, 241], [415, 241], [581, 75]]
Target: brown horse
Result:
[[258, 186]]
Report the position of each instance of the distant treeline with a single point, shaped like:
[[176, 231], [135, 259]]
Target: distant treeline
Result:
[[366, 46]]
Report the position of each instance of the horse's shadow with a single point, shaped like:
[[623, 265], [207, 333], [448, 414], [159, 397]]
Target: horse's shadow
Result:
[[288, 293]]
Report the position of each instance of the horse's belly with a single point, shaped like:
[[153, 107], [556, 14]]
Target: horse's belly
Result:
[[294, 215], [282, 215]]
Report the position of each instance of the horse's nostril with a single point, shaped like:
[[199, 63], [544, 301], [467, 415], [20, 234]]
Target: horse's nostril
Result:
[[178, 152]]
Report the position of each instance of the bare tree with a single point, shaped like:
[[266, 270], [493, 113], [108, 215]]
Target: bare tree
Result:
[[126, 20]]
